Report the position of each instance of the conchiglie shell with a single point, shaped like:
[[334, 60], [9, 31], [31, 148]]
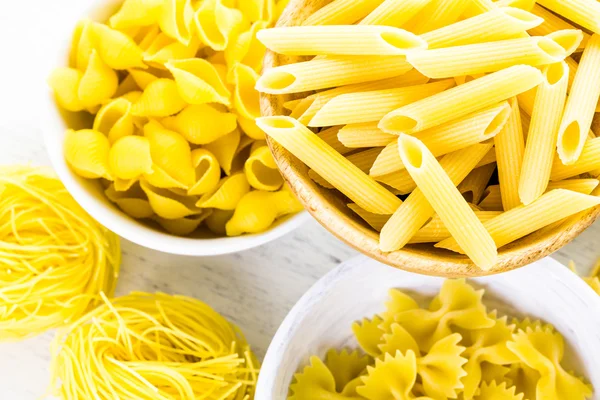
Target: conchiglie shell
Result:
[[183, 226], [136, 13], [167, 204], [147, 37], [130, 157], [133, 96], [126, 86], [86, 151], [227, 194], [133, 201], [98, 83], [115, 48], [241, 154], [225, 149], [123, 185], [261, 170], [176, 18], [81, 45], [208, 172], [216, 22], [287, 203], [114, 120], [65, 84], [250, 128], [165, 48], [217, 58], [217, 220], [160, 99], [257, 10], [246, 100], [199, 82], [171, 153], [160, 179], [142, 78], [203, 123], [247, 49], [256, 144]]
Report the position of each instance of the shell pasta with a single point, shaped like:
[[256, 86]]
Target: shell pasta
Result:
[[486, 117]]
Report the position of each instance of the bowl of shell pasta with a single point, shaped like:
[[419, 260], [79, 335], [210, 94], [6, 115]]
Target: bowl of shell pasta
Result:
[[150, 123], [444, 137]]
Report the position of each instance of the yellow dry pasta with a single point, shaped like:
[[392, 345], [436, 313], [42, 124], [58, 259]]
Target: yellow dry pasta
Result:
[[202, 123], [183, 226], [227, 194], [364, 135], [144, 345], [491, 199], [329, 164], [175, 19], [553, 23], [486, 57], [115, 48], [216, 23], [543, 132], [589, 160], [261, 170], [48, 277], [199, 82], [331, 137], [129, 157], [583, 12], [581, 104], [224, 149], [114, 120], [394, 12], [341, 12], [86, 152], [461, 100], [373, 40], [161, 98], [246, 100], [363, 160], [65, 84], [437, 13], [164, 48], [446, 200], [132, 201], [169, 204], [473, 186], [98, 83], [247, 49]]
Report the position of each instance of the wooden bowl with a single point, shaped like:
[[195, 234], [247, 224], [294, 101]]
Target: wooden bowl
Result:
[[329, 207]]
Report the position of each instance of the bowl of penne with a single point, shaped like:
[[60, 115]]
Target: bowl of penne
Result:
[[451, 138], [149, 123]]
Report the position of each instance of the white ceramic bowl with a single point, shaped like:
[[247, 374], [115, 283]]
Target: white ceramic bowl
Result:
[[322, 318], [89, 194]]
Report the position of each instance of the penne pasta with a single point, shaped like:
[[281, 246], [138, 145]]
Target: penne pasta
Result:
[[341, 12], [353, 40], [375, 104], [553, 23], [394, 12], [461, 100], [363, 160], [497, 24], [331, 165], [330, 71], [543, 132], [492, 200], [583, 12], [446, 200], [476, 7], [437, 13], [585, 186], [551, 207], [449, 137], [568, 39], [330, 136], [473, 186], [489, 158], [401, 181], [486, 57], [364, 135], [510, 145], [435, 230], [416, 210], [526, 5], [375, 221], [581, 104], [588, 161]]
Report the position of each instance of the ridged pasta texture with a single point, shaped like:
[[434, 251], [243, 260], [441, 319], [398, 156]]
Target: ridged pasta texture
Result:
[[152, 346], [518, 76], [454, 347], [55, 258], [170, 86]]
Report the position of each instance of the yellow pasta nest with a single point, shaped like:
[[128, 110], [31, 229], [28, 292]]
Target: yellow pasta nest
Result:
[[454, 348], [54, 258], [153, 346], [171, 88]]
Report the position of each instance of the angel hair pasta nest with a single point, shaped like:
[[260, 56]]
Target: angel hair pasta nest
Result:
[[153, 346], [54, 258]]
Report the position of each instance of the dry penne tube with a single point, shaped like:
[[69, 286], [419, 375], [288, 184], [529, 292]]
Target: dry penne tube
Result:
[[473, 186], [350, 40], [416, 210], [510, 145], [375, 221], [374, 104], [437, 13], [394, 12], [435, 230], [486, 57], [330, 136], [341, 12], [543, 132], [568, 39], [321, 73], [476, 7], [588, 161], [446, 138], [364, 135], [489, 158], [491, 199], [461, 100], [585, 186], [553, 23], [330, 164], [509, 226], [497, 24], [448, 203], [363, 160], [583, 12], [581, 104], [401, 181], [301, 107]]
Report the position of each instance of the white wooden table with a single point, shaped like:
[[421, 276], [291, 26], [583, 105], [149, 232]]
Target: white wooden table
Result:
[[255, 288]]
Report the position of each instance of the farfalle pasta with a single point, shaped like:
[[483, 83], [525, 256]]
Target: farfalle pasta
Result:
[[452, 349], [173, 138]]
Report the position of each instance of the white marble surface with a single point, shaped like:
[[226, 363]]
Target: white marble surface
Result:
[[254, 288]]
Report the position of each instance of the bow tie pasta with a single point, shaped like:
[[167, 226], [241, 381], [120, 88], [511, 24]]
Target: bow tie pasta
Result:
[[170, 86], [454, 348]]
